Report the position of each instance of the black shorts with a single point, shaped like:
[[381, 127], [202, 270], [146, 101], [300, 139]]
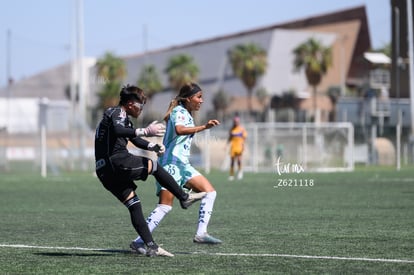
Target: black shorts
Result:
[[119, 172]]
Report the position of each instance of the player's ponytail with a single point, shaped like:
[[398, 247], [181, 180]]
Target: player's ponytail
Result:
[[173, 104]]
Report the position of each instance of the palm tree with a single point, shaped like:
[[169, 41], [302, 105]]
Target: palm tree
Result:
[[149, 81], [248, 62], [112, 70], [315, 59], [181, 69]]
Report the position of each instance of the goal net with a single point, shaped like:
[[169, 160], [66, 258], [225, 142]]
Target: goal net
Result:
[[323, 147]]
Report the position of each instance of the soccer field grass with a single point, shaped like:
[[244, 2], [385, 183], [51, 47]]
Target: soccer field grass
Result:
[[359, 222]]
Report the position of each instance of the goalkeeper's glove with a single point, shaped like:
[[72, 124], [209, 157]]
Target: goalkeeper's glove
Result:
[[155, 128], [157, 148]]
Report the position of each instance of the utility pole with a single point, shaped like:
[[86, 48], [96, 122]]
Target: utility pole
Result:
[[397, 84], [73, 91], [9, 77], [145, 38], [8, 88], [411, 64], [81, 83], [343, 66]]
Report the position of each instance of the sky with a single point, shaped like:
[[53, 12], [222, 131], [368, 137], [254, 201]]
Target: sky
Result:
[[37, 35]]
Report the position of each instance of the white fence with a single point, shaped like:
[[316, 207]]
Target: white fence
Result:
[[272, 146], [269, 146]]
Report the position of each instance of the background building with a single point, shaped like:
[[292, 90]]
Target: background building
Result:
[[345, 31], [347, 93]]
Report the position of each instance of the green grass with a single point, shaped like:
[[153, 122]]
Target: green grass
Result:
[[365, 214]]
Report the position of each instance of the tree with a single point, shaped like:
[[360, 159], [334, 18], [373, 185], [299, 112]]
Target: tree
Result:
[[262, 95], [334, 92], [385, 49], [248, 62], [315, 59], [112, 70], [149, 81], [181, 69]]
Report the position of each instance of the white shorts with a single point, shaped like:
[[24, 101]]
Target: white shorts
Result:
[[181, 173]]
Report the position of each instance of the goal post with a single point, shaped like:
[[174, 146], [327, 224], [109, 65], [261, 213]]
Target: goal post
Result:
[[315, 147]]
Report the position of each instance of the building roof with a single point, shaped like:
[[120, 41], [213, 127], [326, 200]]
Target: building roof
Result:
[[51, 83], [346, 31], [239, 104]]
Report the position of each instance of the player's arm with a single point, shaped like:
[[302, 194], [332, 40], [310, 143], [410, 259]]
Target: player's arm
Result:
[[122, 130], [129, 132], [183, 130], [230, 137], [146, 145], [153, 129], [140, 142], [244, 134]]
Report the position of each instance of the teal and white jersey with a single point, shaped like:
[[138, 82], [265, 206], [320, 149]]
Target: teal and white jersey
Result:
[[177, 146]]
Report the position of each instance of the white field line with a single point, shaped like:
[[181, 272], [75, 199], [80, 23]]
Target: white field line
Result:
[[411, 261], [312, 257], [376, 179]]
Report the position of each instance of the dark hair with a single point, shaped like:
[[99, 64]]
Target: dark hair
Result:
[[186, 91], [130, 92]]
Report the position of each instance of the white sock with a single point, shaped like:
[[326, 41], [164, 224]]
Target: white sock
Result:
[[155, 218], [206, 209]]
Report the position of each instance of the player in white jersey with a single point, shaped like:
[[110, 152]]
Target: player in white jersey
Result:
[[177, 140]]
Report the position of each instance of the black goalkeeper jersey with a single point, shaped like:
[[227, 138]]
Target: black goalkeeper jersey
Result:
[[113, 133]]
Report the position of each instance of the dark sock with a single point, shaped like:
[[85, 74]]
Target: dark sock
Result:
[[167, 181], [138, 221]]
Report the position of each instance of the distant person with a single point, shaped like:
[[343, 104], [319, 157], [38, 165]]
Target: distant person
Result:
[[237, 138], [117, 169], [177, 140]]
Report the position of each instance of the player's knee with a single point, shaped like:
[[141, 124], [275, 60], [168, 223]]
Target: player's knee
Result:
[[154, 167], [132, 201], [211, 195], [164, 208]]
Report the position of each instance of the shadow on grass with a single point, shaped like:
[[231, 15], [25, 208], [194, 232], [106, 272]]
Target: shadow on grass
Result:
[[85, 254], [92, 253]]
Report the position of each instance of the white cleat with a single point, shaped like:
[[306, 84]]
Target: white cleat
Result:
[[192, 198], [151, 252], [240, 175]]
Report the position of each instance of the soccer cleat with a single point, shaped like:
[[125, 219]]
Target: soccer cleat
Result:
[[231, 178], [192, 198], [240, 175], [206, 238], [138, 248], [153, 252]]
